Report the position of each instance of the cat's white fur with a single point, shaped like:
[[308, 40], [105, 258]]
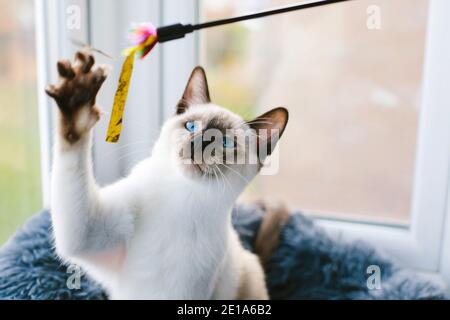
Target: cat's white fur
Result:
[[158, 233], [164, 231]]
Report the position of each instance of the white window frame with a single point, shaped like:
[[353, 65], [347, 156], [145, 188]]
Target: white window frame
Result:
[[424, 245]]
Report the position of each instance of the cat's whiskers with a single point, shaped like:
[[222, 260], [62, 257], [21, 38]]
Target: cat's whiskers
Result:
[[217, 185], [131, 153], [208, 181], [119, 148], [237, 173], [226, 179], [259, 136], [259, 121], [254, 120]]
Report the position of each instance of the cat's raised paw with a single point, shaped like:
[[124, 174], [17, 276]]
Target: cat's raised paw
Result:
[[76, 92], [79, 82]]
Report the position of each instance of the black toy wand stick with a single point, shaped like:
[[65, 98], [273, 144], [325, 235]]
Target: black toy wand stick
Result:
[[147, 36], [178, 30]]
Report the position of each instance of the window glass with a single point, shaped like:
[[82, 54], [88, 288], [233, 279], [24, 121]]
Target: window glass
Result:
[[20, 190], [350, 75]]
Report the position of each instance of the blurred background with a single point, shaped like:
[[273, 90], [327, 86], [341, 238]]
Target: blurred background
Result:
[[353, 94], [20, 179]]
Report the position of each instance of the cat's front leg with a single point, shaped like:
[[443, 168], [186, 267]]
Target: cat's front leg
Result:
[[90, 224]]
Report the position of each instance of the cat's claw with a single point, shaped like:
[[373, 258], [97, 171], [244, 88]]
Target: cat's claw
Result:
[[86, 61], [65, 69]]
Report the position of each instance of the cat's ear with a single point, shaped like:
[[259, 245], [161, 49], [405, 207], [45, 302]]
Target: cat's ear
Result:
[[269, 127], [196, 91]]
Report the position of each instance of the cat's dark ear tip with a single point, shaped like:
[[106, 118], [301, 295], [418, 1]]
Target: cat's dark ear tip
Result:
[[199, 69], [282, 116], [283, 111]]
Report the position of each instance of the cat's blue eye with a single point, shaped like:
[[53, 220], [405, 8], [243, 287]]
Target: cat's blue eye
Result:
[[228, 142], [191, 126]]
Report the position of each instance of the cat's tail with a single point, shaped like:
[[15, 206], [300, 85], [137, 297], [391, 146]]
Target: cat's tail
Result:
[[275, 218]]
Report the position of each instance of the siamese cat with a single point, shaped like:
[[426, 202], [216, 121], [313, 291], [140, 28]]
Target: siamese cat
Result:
[[164, 231]]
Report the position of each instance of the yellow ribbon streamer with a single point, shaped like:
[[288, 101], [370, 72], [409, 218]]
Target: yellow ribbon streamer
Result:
[[115, 123], [120, 98]]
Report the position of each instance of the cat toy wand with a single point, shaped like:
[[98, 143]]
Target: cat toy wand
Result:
[[145, 36]]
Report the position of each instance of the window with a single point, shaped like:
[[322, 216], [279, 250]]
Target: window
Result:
[[369, 108], [20, 181], [353, 94], [367, 150]]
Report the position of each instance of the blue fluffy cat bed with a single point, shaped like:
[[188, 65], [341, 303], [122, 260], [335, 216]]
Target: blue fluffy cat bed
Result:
[[308, 264]]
